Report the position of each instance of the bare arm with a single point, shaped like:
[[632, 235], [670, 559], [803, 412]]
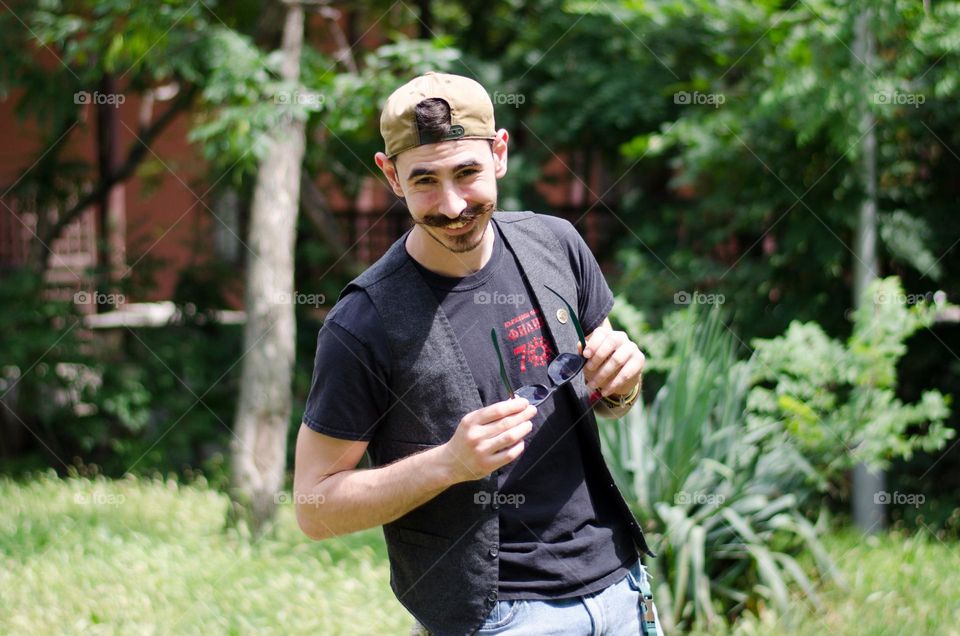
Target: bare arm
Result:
[[333, 497]]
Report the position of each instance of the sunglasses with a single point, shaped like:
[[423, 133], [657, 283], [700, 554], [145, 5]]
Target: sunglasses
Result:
[[561, 370]]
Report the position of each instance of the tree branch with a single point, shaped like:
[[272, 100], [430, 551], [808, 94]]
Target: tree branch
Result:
[[134, 158]]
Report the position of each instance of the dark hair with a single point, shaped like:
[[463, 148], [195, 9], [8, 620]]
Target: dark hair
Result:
[[433, 122], [433, 119]]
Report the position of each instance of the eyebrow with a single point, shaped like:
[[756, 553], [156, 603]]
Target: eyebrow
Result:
[[419, 172]]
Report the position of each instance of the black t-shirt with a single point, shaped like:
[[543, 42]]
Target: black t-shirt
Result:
[[560, 535]]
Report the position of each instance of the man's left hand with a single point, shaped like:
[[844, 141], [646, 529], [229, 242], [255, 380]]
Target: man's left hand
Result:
[[614, 362]]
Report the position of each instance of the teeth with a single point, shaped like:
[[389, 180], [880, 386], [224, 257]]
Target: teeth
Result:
[[456, 226]]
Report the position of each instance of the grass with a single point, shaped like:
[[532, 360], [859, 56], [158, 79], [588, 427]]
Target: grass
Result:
[[149, 556], [139, 556], [894, 584]]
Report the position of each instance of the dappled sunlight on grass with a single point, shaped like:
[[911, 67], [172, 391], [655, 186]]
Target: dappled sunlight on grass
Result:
[[150, 556]]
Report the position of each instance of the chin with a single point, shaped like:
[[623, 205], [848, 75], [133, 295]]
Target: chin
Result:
[[469, 241]]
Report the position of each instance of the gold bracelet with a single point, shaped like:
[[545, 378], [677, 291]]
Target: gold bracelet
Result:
[[623, 400]]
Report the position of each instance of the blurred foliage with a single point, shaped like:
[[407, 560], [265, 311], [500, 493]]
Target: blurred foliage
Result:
[[837, 401], [125, 399], [730, 457], [723, 498], [726, 140]]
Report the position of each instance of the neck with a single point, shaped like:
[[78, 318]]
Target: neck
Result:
[[424, 249]]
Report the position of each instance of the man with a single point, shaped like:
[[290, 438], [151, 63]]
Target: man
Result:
[[499, 515]]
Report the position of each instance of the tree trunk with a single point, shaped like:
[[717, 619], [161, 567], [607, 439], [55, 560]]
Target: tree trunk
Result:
[[868, 484], [111, 223], [263, 413]]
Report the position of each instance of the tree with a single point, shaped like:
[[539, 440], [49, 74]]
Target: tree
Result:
[[264, 404]]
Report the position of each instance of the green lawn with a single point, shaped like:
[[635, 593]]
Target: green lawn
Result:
[[147, 556], [138, 557]]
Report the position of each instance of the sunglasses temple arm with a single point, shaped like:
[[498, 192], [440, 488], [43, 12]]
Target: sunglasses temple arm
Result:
[[503, 370], [573, 315]]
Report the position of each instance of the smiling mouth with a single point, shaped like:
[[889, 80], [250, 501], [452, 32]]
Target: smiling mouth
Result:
[[458, 228]]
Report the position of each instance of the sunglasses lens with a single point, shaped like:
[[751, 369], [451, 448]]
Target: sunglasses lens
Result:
[[565, 366], [533, 393]]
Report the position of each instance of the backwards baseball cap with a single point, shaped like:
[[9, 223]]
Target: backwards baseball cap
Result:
[[471, 111]]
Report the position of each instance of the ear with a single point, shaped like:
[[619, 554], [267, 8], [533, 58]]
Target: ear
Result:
[[499, 149], [389, 170]]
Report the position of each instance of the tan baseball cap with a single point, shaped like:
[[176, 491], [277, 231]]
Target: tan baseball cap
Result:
[[471, 111]]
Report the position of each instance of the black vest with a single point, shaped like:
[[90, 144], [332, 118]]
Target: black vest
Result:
[[443, 568]]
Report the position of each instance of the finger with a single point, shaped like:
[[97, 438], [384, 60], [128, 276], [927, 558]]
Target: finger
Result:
[[507, 455], [507, 438], [499, 410], [625, 380], [610, 344], [614, 364], [594, 340], [496, 428]]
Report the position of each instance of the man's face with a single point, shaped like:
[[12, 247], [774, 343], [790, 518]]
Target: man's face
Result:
[[450, 187]]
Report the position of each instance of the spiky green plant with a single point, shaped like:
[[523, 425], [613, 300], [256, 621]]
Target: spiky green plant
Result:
[[722, 498]]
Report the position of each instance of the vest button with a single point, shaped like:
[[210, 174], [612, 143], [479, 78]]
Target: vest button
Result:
[[492, 596], [495, 505], [494, 551]]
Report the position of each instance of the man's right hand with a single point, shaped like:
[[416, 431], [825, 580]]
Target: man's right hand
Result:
[[488, 438]]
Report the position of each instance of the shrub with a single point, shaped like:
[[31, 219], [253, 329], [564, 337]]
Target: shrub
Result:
[[837, 400], [723, 498]]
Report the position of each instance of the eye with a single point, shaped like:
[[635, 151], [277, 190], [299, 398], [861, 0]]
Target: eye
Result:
[[469, 172]]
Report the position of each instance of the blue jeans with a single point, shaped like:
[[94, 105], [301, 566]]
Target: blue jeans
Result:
[[617, 610]]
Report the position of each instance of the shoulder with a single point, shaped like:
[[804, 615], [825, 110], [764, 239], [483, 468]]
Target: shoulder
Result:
[[355, 314], [561, 228]]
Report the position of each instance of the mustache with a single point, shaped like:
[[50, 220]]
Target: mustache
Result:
[[469, 213]]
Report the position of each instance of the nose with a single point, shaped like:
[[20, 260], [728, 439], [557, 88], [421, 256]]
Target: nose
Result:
[[451, 203]]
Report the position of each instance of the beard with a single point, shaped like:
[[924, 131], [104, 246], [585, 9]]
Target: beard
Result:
[[479, 214]]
